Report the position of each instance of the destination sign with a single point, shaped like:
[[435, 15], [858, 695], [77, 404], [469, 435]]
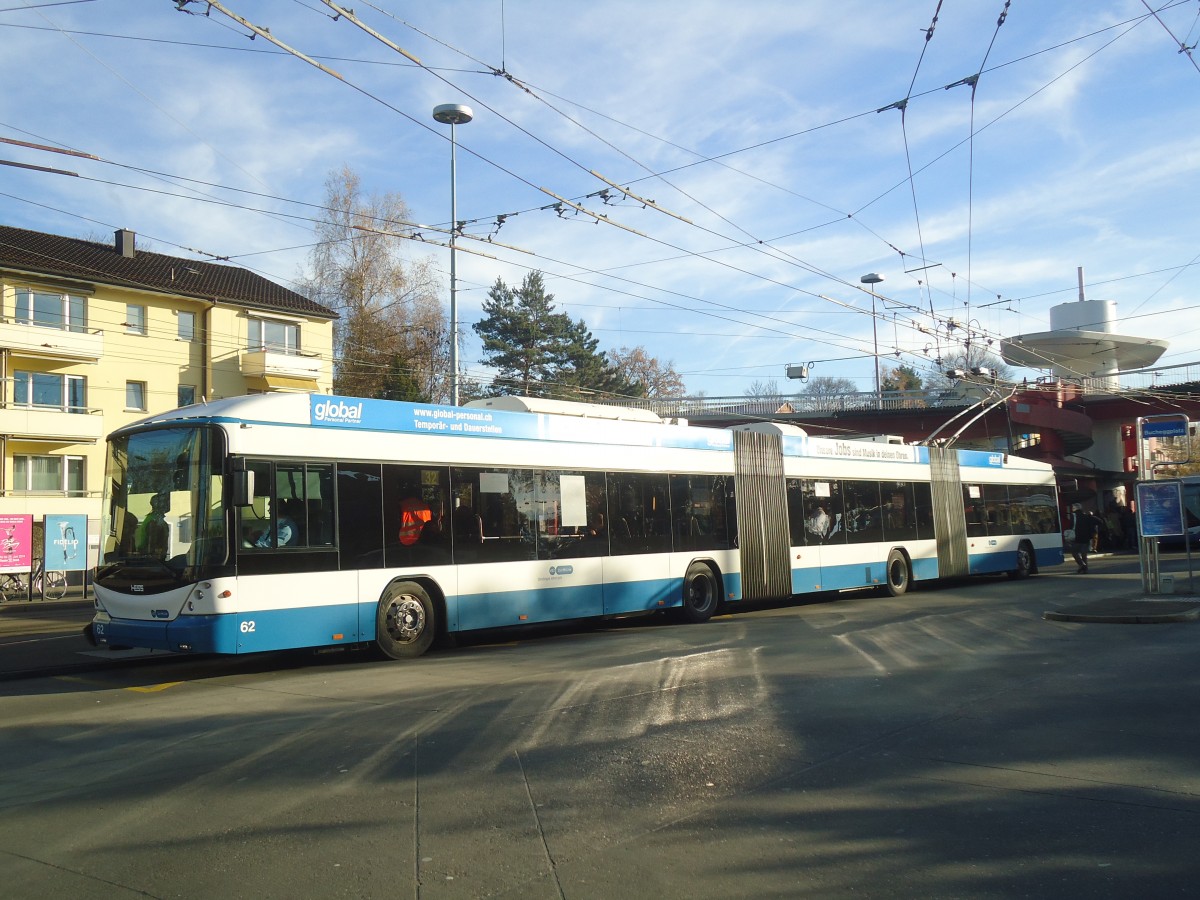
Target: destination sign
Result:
[[1163, 428]]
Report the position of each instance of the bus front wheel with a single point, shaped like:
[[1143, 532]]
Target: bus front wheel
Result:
[[897, 573], [405, 621], [701, 594]]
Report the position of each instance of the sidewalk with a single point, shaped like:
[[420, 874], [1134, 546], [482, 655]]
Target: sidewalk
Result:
[[1134, 608], [72, 600]]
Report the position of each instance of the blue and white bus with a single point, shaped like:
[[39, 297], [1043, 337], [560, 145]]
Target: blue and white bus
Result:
[[281, 521]]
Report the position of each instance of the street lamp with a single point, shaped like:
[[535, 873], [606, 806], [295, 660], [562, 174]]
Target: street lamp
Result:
[[453, 114], [871, 279]]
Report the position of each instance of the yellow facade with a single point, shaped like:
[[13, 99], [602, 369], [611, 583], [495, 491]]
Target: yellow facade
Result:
[[119, 355]]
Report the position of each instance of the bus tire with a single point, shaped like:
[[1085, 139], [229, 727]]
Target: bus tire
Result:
[[897, 573], [701, 594], [405, 621], [1025, 564]]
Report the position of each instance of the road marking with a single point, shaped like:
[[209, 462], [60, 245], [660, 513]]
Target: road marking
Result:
[[153, 688]]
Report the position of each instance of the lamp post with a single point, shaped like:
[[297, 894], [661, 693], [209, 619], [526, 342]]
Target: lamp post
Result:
[[871, 279], [453, 114]]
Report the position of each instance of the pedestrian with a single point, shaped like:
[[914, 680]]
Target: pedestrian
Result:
[[1083, 529], [1112, 524], [1129, 528]]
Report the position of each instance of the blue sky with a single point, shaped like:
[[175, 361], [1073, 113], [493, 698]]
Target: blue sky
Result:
[[754, 127]]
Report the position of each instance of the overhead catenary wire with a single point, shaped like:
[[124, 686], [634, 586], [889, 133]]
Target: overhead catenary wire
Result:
[[409, 235], [342, 12]]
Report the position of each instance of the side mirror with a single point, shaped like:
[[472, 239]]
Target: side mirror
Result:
[[242, 488]]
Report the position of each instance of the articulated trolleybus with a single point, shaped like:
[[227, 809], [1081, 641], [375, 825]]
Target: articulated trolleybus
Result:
[[290, 520]]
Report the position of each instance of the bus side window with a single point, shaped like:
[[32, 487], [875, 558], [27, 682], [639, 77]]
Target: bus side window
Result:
[[641, 514], [256, 518], [290, 513], [900, 514], [863, 511], [923, 508], [360, 515], [796, 503], [320, 504]]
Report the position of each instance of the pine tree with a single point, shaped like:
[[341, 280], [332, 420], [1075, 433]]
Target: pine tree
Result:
[[537, 351]]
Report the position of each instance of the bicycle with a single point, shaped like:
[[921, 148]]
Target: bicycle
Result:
[[12, 587], [48, 584]]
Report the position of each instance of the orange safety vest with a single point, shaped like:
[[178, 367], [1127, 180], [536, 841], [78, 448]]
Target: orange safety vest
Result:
[[414, 513]]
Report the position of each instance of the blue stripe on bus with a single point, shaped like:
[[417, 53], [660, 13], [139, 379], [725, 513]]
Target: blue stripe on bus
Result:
[[347, 623], [1049, 556], [330, 625], [196, 634]]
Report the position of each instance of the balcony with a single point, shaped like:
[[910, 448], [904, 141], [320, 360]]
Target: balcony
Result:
[[56, 426], [278, 371], [68, 344]]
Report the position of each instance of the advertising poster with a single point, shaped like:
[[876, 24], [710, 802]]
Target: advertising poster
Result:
[[16, 543], [66, 543]]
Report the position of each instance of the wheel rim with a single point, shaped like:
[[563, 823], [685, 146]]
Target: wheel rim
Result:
[[897, 573], [405, 620], [700, 593], [1024, 560]]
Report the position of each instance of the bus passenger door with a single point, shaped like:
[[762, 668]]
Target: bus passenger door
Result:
[[637, 571], [806, 569], [809, 525]]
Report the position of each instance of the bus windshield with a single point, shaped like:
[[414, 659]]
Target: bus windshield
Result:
[[164, 505]]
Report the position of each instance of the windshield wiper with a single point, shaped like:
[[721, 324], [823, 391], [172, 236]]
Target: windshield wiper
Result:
[[141, 562]]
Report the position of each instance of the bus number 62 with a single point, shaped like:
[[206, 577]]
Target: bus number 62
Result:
[[247, 626]]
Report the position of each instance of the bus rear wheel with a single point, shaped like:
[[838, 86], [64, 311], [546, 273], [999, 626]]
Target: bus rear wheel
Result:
[[405, 621], [701, 594], [1024, 562], [897, 573]]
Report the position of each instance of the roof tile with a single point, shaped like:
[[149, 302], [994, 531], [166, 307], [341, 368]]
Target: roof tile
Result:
[[52, 254]]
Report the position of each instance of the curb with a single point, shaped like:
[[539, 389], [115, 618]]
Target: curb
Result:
[[1130, 611]]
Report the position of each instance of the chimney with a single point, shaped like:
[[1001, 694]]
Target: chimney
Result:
[[124, 242]]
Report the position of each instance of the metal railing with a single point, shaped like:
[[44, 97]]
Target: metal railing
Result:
[[942, 397], [800, 404]]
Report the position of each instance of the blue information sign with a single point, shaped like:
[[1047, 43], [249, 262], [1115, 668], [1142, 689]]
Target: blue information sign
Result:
[[1160, 508], [1163, 428]]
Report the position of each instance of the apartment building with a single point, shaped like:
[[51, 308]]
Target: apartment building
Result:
[[94, 336]]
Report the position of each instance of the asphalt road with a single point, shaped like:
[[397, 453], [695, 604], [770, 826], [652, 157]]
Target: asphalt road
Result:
[[951, 743]]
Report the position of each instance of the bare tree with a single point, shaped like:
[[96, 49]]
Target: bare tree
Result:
[[659, 380], [392, 339], [765, 390], [827, 393]]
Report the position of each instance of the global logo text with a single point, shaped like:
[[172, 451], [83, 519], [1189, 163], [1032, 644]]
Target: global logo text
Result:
[[338, 411]]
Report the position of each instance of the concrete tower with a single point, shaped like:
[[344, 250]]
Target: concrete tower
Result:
[[1082, 345]]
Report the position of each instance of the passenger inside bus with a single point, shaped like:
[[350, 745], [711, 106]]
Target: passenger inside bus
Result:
[[468, 524], [818, 523], [598, 527], [287, 527]]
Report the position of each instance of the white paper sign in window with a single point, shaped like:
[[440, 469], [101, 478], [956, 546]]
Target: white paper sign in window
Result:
[[574, 500], [493, 482]]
